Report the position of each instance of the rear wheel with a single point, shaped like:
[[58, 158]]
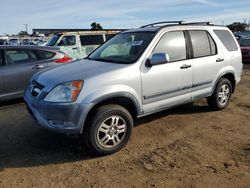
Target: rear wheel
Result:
[[109, 129], [221, 96]]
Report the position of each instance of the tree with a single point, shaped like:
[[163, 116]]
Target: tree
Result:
[[96, 26], [237, 27], [23, 33]]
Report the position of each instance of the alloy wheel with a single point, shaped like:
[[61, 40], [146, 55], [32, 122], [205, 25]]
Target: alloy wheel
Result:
[[112, 131]]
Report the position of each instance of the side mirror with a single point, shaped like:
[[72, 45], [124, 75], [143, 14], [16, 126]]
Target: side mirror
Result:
[[159, 58]]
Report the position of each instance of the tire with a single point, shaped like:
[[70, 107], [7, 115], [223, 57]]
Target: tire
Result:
[[221, 96], [108, 130]]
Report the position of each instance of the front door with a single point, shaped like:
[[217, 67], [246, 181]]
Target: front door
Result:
[[170, 83], [70, 45]]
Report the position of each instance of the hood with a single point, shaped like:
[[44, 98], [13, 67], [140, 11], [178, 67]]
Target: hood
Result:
[[79, 70]]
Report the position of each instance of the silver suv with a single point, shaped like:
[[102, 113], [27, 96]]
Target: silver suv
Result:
[[136, 73]]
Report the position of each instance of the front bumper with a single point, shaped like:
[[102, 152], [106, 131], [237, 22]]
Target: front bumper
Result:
[[66, 118]]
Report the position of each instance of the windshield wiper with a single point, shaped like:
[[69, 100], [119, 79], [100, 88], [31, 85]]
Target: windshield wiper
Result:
[[106, 60], [88, 58]]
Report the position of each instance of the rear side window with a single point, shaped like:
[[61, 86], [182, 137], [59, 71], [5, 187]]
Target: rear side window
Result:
[[202, 43], [19, 56], [213, 47], [227, 39], [42, 55], [91, 39], [172, 43]]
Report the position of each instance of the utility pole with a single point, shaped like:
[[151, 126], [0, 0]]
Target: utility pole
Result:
[[26, 27]]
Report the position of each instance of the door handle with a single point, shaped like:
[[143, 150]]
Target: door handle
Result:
[[219, 59], [185, 66], [74, 48], [38, 67]]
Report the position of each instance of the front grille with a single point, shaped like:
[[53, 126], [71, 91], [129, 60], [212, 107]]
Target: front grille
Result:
[[35, 88]]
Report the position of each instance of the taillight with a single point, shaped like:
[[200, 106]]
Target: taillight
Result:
[[65, 59]]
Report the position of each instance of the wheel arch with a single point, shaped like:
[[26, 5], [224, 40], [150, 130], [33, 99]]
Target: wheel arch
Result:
[[123, 99], [230, 76]]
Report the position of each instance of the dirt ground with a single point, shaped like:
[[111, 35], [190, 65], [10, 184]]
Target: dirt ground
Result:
[[189, 146]]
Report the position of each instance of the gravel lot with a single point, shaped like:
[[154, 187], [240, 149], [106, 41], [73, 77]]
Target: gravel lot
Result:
[[189, 146]]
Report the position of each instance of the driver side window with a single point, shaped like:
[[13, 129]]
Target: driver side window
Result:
[[172, 43], [68, 41]]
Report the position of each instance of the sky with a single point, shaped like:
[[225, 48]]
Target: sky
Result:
[[115, 13]]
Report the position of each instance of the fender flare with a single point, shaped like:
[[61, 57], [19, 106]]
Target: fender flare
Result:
[[219, 77], [120, 94]]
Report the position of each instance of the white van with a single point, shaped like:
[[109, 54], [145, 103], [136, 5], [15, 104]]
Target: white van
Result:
[[78, 45]]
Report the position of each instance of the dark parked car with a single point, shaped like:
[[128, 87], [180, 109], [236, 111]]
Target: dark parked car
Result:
[[3, 42], [28, 42], [245, 50], [19, 63], [14, 42]]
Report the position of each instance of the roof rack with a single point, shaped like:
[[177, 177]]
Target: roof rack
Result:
[[197, 23], [159, 23], [166, 23]]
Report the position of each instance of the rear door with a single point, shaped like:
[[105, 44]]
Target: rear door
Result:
[[20, 65], [46, 57], [207, 60]]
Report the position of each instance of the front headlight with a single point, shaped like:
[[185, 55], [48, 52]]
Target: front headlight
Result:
[[65, 92]]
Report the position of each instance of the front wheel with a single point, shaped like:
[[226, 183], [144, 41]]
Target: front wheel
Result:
[[109, 130], [221, 96]]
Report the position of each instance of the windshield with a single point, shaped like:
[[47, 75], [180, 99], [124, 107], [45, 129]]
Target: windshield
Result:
[[245, 43], [53, 40], [123, 48]]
